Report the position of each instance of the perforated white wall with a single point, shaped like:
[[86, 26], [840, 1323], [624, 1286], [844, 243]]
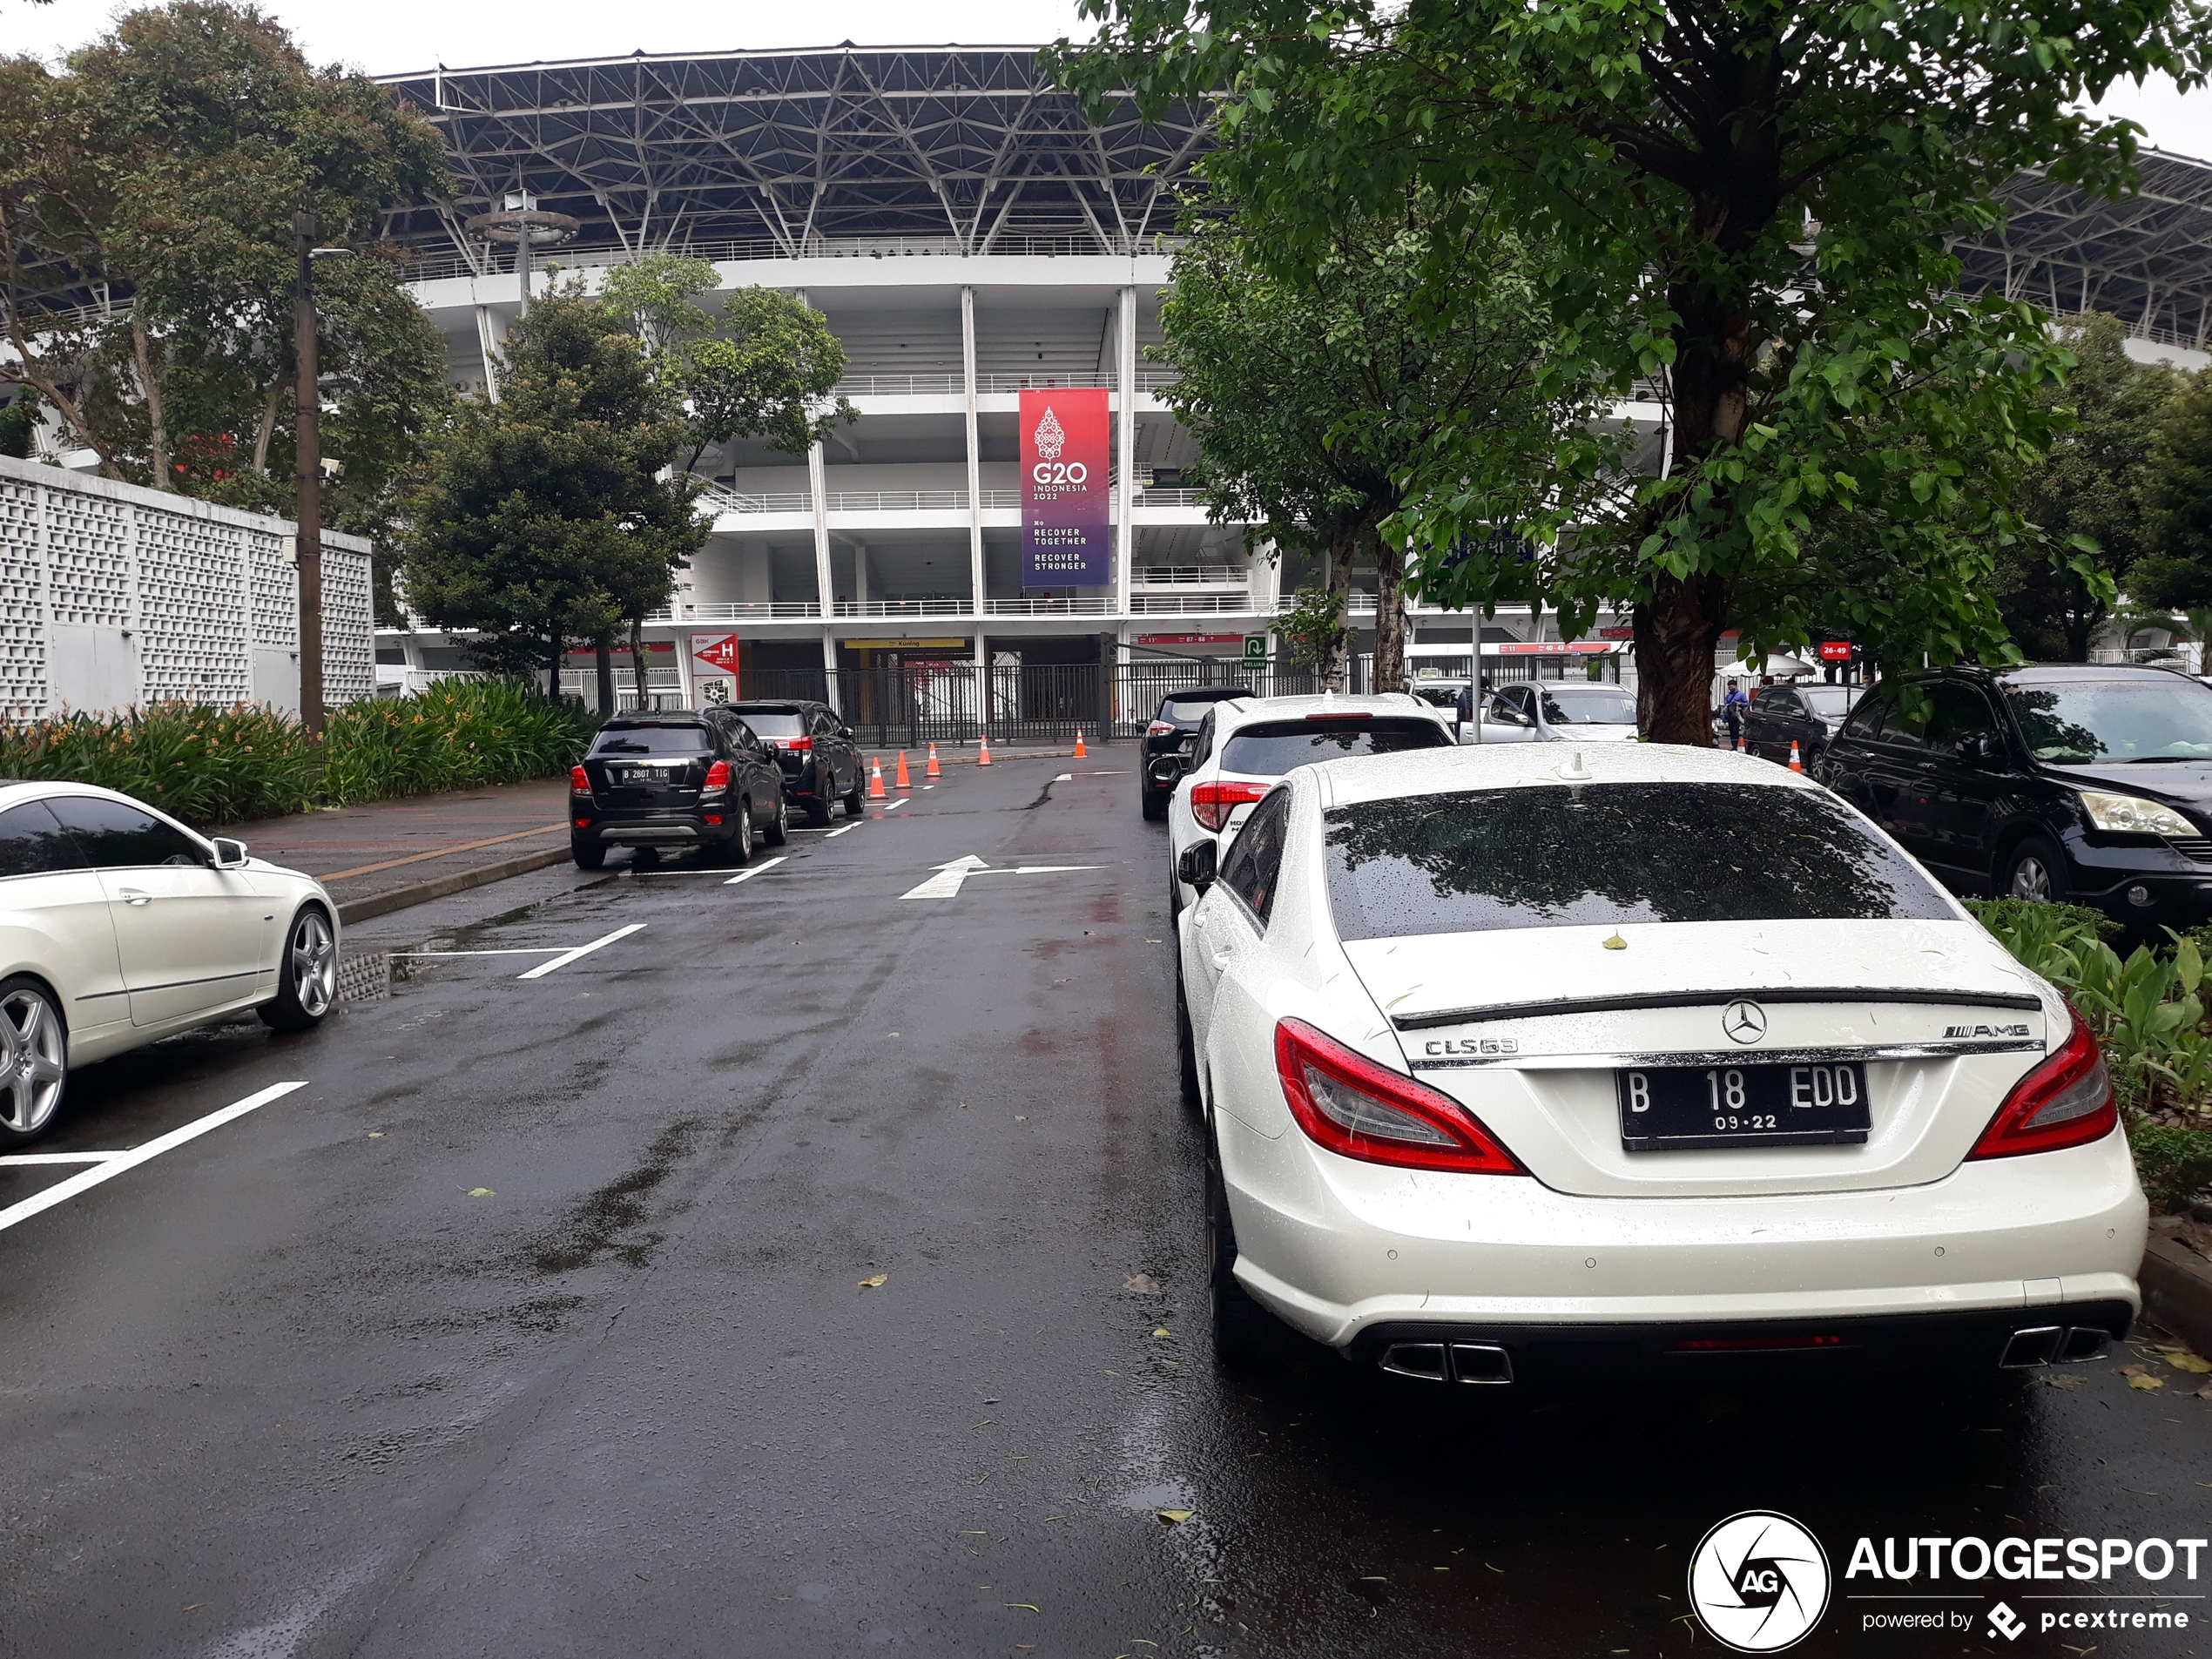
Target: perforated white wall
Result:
[[194, 592]]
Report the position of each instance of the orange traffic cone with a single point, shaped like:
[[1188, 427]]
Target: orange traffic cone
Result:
[[984, 758], [1796, 765], [1080, 751], [875, 779], [903, 782], [933, 771]]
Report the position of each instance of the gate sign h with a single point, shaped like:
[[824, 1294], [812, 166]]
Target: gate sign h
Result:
[[720, 652]]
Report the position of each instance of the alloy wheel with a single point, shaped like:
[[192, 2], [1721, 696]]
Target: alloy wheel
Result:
[[32, 1062], [312, 963], [2032, 881]]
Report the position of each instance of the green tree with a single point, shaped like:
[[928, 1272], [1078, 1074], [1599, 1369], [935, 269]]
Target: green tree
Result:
[[1766, 191], [2177, 500], [1322, 395], [764, 368], [2090, 486], [552, 515], [146, 256]]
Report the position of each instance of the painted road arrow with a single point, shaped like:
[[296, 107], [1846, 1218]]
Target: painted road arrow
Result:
[[949, 878]]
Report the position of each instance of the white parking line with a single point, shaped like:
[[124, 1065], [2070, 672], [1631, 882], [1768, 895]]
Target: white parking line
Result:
[[846, 830], [894, 806], [58, 1157], [566, 957], [748, 875], [113, 1165]]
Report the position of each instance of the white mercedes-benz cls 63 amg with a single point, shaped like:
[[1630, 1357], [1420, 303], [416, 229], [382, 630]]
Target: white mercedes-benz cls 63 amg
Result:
[[1520, 1061]]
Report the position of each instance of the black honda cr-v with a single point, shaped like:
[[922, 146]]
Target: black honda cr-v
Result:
[[2065, 781], [674, 781]]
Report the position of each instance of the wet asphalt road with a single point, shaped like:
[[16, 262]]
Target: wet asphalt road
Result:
[[300, 1387]]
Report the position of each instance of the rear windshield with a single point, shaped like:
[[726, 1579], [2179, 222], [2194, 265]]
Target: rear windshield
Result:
[[1552, 856], [1829, 702], [1270, 748], [775, 723], [651, 740], [1193, 708]]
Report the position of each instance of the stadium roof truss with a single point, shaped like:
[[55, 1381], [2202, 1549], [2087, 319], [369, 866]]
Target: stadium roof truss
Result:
[[2146, 259], [968, 149]]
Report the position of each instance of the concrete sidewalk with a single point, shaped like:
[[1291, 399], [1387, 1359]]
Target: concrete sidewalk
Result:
[[390, 854]]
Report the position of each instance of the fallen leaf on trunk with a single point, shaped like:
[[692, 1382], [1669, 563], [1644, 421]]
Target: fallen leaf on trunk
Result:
[[2065, 1382], [1142, 1284], [873, 1282], [2182, 1359], [1174, 1517]]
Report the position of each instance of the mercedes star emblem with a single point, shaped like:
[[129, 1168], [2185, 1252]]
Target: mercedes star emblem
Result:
[[1743, 1021]]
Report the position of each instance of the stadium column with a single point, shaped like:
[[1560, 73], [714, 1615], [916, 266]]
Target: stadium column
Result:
[[974, 467], [818, 488], [1125, 375]]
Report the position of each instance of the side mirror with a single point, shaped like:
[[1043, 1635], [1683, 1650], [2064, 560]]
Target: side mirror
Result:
[[1196, 868], [845, 732], [229, 855], [1978, 749]]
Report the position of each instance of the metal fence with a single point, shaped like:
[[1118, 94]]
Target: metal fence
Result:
[[919, 703]]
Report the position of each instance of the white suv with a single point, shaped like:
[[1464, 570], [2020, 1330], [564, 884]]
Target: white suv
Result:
[[1245, 744]]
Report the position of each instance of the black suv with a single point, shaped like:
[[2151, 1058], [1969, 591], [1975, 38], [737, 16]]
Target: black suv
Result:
[[2066, 781], [815, 750], [1805, 715], [676, 779], [1169, 739]]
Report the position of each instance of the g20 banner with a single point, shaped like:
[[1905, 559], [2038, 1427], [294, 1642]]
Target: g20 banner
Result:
[[1066, 541]]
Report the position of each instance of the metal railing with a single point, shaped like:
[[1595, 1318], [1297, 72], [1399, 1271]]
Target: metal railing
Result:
[[953, 385], [739, 611], [895, 608], [1099, 606], [919, 703], [1188, 576], [1197, 604], [1077, 240]]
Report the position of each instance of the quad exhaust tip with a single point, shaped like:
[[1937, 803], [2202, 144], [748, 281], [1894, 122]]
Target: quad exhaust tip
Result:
[[2053, 1345], [1463, 1362]]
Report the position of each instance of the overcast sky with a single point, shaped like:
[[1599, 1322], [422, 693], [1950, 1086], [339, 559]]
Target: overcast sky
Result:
[[389, 37]]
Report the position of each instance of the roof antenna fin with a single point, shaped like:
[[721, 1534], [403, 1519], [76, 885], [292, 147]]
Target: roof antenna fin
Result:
[[1575, 772]]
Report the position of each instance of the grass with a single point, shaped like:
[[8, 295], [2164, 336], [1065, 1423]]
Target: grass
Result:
[[210, 765]]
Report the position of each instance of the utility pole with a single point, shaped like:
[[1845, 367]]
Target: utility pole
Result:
[[307, 451]]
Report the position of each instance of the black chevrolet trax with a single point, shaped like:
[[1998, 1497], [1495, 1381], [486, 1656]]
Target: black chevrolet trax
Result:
[[675, 781], [2077, 782]]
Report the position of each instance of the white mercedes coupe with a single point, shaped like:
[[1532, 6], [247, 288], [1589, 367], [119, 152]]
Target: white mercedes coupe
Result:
[[119, 926], [1532, 1059]]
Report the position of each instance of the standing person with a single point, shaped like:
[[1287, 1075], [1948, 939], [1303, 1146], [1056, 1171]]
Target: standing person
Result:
[[1733, 707], [1463, 711]]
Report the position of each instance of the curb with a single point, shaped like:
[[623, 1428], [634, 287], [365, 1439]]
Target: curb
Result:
[[2177, 1291], [416, 892]]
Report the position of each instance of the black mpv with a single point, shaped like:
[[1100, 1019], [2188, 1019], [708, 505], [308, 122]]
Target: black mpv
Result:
[[814, 747], [673, 781], [1170, 740], [2075, 782]]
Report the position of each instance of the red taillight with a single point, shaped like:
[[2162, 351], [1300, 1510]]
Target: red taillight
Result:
[[2066, 1101], [1346, 1102], [1159, 728], [1752, 1344], [718, 775], [583, 822], [1210, 804], [579, 781], [796, 745]]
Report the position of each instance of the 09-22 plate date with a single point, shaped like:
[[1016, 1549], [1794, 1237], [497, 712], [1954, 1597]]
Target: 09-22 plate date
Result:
[[1683, 1109]]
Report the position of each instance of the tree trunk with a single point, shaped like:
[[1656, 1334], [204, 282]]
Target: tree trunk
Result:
[[1336, 660], [1390, 616], [603, 649], [267, 427], [1676, 632], [638, 661], [1678, 623], [553, 671], [150, 388]]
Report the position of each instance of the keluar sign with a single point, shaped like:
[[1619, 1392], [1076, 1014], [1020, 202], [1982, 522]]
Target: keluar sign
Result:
[[1066, 538]]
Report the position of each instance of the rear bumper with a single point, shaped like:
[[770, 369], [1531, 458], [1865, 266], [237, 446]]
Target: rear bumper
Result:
[[1339, 1248], [1975, 1339], [688, 829]]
